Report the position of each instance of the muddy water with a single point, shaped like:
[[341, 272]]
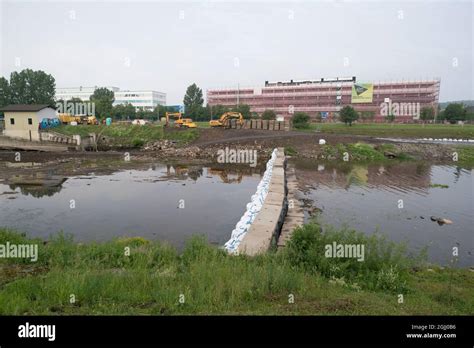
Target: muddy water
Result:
[[162, 202], [398, 201]]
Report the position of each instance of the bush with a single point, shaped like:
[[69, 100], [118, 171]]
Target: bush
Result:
[[301, 120], [348, 115], [454, 112], [385, 265], [290, 151], [269, 115], [137, 142]]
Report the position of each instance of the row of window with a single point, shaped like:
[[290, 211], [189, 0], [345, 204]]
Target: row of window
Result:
[[12, 121]]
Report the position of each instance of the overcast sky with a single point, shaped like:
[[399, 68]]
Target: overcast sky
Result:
[[166, 46]]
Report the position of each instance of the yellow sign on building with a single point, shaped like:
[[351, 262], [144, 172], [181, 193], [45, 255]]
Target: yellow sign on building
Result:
[[362, 93]]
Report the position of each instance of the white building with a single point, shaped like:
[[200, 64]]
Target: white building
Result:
[[23, 121], [144, 100], [83, 93]]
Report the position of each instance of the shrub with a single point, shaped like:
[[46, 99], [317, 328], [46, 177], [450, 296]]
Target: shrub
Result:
[[137, 142], [348, 115], [268, 115], [301, 120], [385, 264]]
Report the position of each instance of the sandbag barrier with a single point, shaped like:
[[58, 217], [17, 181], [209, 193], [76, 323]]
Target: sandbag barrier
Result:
[[252, 208]]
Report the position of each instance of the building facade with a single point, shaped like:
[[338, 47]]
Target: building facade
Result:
[[83, 93], [324, 98], [23, 121], [141, 100]]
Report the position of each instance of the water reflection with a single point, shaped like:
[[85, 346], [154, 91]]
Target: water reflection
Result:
[[135, 202], [367, 198]]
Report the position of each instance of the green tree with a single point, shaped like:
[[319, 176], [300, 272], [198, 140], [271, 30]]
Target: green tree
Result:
[[161, 110], [301, 120], [427, 114], [5, 95], [348, 115], [216, 111], [32, 87], [124, 112], [145, 115], [193, 101], [103, 99], [390, 118], [268, 115], [244, 109], [204, 113], [454, 112]]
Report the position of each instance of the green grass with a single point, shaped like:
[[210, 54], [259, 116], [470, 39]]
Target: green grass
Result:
[[131, 135], [439, 186], [104, 280], [290, 151], [362, 152], [466, 156], [397, 130], [203, 124]]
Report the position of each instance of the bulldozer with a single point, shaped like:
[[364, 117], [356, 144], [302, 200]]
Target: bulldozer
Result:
[[90, 120], [180, 122], [224, 120], [188, 123]]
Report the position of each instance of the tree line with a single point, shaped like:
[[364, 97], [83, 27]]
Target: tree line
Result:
[[37, 87]]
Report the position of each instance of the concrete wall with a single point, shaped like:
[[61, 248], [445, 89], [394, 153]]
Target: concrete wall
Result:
[[14, 144], [266, 227]]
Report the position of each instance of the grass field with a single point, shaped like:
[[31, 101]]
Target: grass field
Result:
[[397, 130], [131, 135], [156, 279]]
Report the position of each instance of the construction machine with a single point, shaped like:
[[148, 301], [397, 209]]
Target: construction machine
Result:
[[68, 118], [180, 121], [188, 123], [226, 176], [80, 119], [224, 120], [90, 120], [176, 115]]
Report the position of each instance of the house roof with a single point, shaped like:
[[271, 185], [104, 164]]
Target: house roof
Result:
[[25, 107]]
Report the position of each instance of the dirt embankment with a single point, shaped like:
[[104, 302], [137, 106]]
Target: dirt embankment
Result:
[[304, 145], [205, 149]]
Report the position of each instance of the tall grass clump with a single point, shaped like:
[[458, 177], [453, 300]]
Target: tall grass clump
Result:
[[385, 264]]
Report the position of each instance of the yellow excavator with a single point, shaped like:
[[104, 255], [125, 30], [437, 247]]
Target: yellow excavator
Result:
[[224, 120], [225, 176], [180, 121]]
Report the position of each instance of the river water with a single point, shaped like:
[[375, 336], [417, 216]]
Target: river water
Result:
[[398, 201], [164, 202]]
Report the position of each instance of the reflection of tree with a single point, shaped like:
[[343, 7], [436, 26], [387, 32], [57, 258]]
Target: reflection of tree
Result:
[[227, 173], [397, 174], [195, 173], [457, 174], [359, 175], [37, 191]]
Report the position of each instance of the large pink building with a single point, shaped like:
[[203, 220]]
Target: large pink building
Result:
[[325, 97]]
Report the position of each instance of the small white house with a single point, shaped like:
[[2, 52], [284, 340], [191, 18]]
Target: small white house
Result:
[[23, 121]]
